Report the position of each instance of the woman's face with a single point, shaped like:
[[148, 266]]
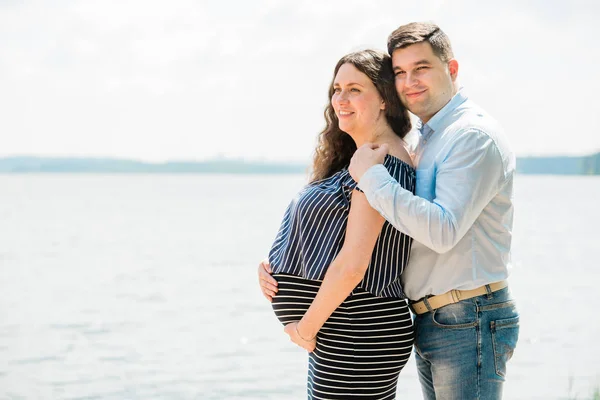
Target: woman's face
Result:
[[356, 101]]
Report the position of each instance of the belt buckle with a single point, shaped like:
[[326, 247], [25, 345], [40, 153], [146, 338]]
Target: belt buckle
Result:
[[423, 300]]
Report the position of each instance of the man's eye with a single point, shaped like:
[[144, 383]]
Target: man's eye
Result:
[[400, 73]]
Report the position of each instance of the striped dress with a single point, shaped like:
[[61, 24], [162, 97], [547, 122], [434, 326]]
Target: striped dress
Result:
[[368, 339]]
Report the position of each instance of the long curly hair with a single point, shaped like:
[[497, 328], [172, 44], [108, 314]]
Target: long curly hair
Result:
[[334, 146]]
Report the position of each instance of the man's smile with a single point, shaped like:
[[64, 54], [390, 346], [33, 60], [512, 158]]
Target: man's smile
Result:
[[414, 95]]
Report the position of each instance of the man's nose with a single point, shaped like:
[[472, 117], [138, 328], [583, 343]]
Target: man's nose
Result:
[[410, 79]]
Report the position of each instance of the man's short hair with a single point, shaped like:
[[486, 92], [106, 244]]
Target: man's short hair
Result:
[[417, 32]]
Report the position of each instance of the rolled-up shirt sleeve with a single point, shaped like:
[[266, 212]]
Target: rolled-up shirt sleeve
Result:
[[467, 178]]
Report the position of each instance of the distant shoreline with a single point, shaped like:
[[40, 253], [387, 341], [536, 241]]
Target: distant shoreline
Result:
[[558, 165]]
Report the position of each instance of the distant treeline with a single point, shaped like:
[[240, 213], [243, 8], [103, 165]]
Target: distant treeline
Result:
[[112, 165], [586, 165]]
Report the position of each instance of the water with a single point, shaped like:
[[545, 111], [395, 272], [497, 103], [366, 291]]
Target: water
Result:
[[144, 287]]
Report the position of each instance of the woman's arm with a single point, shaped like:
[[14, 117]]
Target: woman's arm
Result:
[[344, 273]]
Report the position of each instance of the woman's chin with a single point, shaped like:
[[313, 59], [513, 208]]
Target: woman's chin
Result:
[[346, 128]]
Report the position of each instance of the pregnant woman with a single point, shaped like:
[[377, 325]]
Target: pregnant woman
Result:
[[336, 263]]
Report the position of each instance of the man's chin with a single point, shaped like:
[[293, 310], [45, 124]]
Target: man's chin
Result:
[[412, 105], [414, 110]]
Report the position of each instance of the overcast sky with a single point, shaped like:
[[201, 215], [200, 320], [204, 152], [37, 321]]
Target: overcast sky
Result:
[[194, 80]]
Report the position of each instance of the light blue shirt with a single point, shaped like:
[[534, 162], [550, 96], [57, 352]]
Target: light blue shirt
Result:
[[461, 217]]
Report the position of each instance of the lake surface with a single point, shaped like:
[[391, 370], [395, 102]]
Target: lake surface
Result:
[[144, 287]]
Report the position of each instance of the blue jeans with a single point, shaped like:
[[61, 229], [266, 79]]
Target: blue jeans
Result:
[[462, 348]]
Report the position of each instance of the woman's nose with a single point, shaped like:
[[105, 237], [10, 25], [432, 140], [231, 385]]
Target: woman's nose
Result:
[[343, 97]]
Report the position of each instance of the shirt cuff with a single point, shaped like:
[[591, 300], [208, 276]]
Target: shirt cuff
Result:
[[374, 178]]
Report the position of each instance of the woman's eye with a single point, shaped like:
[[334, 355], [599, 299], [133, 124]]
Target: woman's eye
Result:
[[355, 90]]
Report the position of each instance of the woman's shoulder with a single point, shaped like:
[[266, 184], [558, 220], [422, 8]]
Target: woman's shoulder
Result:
[[400, 167], [401, 154]]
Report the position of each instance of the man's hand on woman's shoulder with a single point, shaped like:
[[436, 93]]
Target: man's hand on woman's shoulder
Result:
[[365, 157]]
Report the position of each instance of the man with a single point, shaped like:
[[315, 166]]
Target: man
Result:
[[461, 220]]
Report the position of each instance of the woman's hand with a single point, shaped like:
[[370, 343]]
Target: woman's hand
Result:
[[308, 344], [268, 285]]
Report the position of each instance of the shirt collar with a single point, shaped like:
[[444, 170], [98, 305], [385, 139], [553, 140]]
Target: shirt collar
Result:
[[436, 121]]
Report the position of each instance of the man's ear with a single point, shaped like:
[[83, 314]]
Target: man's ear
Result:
[[453, 68]]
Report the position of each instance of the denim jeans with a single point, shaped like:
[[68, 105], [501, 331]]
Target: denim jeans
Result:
[[462, 348]]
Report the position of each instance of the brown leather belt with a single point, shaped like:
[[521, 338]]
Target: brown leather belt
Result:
[[454, 296]]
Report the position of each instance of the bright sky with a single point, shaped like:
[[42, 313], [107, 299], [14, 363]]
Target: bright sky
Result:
[[188, 79]]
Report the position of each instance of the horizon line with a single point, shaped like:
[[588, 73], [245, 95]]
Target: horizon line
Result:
[[237, 159]]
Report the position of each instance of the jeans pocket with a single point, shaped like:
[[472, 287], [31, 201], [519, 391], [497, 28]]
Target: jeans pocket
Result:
[[505, 334], [459, 315]]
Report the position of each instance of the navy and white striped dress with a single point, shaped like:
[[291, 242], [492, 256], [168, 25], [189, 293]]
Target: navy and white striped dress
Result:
[[366, 342]]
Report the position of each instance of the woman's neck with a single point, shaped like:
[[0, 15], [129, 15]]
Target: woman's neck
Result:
[[377, 136]]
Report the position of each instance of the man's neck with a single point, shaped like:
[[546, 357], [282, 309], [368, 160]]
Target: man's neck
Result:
[[426, 119]]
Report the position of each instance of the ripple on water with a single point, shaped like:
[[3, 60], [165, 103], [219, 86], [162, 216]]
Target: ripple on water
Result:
[[71, 326], [35, 360]]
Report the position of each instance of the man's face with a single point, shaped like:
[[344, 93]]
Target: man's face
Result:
[[424, 83]]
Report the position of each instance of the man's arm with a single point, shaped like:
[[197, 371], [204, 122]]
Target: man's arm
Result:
[[465, 182], [268, 284]]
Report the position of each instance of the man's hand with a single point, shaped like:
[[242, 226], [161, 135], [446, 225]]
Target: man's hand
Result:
[[292, 330], [268, 285], [365, 157]]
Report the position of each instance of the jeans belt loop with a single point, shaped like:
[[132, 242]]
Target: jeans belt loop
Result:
[[455, 295], [489, 292]]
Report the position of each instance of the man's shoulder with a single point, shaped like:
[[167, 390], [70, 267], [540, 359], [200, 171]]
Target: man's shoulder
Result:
[[471, 125], [469, 117]]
